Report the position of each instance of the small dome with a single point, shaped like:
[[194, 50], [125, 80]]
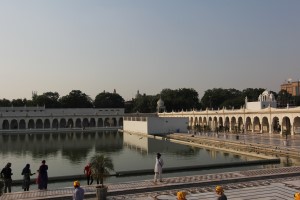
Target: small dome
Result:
[[160, 103], [265, 93]]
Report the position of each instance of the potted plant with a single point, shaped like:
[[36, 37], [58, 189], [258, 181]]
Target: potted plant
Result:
[[101, 166]]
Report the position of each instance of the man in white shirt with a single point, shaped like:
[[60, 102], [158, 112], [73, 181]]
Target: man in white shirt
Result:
[[158, 168]]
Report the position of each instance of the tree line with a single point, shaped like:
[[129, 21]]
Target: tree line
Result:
[[174, 100]]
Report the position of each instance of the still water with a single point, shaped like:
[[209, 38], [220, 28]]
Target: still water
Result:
[[68, 153]]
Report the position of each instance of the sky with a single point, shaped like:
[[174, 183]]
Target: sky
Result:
[[131, 45]]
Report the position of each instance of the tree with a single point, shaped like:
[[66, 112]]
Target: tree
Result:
[[101, 166], [5, 103], [109, 100], [49, 99], [183, 98], [76, 99], [252, 93], [144, 104]]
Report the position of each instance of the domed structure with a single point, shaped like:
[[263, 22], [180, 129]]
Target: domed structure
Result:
[[266, 99], [160, 106]]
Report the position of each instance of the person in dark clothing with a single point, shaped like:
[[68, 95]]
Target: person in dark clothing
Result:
[[26, 172], [88, 173], [43, 176], [6, 175]]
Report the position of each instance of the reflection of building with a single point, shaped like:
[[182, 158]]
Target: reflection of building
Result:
[[151, 145], [292, 88], [20, 118], [152, 124]]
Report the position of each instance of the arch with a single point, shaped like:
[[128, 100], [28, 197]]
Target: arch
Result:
[[114, 121], [248, 124], [31, 124], [191, 122], [62, 123], [92, 122], [100, 122], [39, 124], [196, 122], [221, 125], [240, 125], [226, 124], [14, 124], [286, 126], [215, 124], [70, 123], [265, 125], [106, 122], [296, 125], [200, 121], [121, 122], [55, 123], [22, 124], [5, 124], [233, 125], [78, 123], [209, 126], [47, 123], [276, 125], [256, 125], [85, 122]]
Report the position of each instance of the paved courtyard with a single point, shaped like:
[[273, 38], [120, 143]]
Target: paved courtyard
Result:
[[275, 184]]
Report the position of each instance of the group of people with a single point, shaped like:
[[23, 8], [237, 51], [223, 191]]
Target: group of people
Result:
[[42, 179], [181, 195]]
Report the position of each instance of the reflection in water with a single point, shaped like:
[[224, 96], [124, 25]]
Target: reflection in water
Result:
[[68, 153]]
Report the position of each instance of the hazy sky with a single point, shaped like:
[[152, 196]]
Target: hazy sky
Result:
[[130, 45]]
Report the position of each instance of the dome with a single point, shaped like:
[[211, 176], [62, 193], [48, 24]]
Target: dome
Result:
[[265, 93], [160, 103]]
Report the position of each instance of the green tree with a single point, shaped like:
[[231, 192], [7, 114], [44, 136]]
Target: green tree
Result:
[[184, 98], [49, 99], [18, 102], [109, 100], [5, 103], [76, 99], [252, 93], [101, 166], [144, 104], [219, 97]]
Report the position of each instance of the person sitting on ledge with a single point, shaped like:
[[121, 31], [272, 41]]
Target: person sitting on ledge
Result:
[[297, 196], [181, 195], [220, 193]]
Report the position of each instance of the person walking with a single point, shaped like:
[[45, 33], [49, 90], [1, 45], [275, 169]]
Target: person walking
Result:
[[78, 192], [6, 175], [88, 173], [220, 193], [26, 172], [43, 176], [158, 168]]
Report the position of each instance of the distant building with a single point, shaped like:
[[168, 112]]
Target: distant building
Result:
[[265, 100], [292, 88]]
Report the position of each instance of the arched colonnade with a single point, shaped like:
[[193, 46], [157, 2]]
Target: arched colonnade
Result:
[[269, 120], [16, 123]]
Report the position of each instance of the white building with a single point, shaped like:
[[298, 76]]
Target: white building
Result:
[[265, 100], [153, 124], [22, 118]]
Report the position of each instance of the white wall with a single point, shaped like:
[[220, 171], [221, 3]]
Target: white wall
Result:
[[162, 125], [135, 126], [157, 125]]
